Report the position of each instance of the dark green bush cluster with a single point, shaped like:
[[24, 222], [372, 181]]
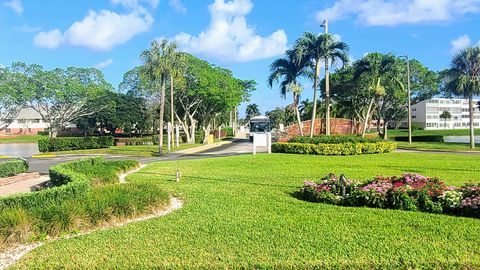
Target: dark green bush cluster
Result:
[[13, 167], [333, 139], [74, 203], [136, 141], [337, 149], [74, 143], [409, 192], [228, 131], [423, 138], [71, 179]]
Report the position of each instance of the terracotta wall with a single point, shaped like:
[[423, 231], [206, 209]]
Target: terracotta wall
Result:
[[21, 131], [337, 125]]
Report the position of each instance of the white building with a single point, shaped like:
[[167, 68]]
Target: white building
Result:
[[27, 122], [427, 114]]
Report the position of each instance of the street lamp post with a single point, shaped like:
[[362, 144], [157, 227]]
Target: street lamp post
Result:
[[409, 101]]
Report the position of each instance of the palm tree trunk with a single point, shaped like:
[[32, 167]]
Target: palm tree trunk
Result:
[[315, 88], [472, 131], [367, 117], [297, 112], [385, 130], [162, 112], [172, 120], [327, 98]]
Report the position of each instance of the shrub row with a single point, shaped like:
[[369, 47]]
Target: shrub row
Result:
[[337, 149], [74, 143], [424, 138], [333, 139], [70, 180], [13, 167], [410, 192], [76, 204]]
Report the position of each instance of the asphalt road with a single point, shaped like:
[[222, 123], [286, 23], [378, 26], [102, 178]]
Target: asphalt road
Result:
[[239, 147]]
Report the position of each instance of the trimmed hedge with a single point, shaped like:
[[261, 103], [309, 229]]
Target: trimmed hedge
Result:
[[338, 149], [74, 143], [335, 139], [424, 138], [136, 141], [13, 167], [71, 179]]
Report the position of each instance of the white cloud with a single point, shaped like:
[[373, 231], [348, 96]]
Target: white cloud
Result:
[[178, 5], [229, 38], [99, 30], [104, 64], [16, 5], [396, 12], [461, 43], [50, 40]]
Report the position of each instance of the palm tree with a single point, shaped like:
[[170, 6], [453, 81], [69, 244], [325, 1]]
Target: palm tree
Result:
[[378, 71], [317, 48], [463, 79], [251, 111], [176, 70], [445, 115], [288, 69], [156, 67]]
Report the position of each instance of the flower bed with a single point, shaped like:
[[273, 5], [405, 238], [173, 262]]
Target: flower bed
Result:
[[411, 192]]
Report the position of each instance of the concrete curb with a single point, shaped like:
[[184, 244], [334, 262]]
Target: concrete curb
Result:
[[437, 151], [201, 148]]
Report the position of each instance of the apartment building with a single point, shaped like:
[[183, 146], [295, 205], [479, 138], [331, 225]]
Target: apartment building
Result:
[[27, 122], [427, 114]]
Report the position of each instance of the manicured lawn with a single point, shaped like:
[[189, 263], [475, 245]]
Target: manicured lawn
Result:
[[142, 151], [447, 132], [443, 146], [239, 213], [22, 139]]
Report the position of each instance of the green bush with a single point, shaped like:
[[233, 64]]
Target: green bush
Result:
[[13, 167], [74, 203], [335, 139], [337, 149], [424, 138], [228, 131], [74, 143], [70, 179]]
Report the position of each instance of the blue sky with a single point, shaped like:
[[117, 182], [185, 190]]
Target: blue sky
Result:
[[242, 35]]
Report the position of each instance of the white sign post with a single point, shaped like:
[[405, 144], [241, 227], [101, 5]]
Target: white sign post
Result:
[[177, 133], [262, 139], [169, 135]]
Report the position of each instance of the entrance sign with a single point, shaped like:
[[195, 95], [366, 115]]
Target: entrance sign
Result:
[[262, 140]]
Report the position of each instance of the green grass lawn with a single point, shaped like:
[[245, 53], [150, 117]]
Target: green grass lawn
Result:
[[22, 139], [440, 146], [447, 132], [239, 213], [141, 151]]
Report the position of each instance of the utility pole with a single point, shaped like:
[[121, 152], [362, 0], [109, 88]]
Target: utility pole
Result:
[[409, 101], [327, 86]]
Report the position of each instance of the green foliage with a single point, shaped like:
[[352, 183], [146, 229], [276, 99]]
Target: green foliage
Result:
[[13, 167], [334, 139], [74, 203], [74, 143], [334, 149]]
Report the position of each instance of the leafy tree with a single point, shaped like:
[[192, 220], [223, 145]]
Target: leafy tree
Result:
[[288, 69], [251, 111], [60, 96], [8, 107], [445, 115], [316, 48], [463, 79]]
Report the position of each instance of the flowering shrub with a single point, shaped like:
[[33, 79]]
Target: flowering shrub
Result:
[[410, 192]]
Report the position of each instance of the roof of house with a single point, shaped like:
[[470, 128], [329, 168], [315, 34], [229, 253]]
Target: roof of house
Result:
[[28, 113]]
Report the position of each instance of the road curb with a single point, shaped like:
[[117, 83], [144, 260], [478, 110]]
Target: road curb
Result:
[[201, 148]]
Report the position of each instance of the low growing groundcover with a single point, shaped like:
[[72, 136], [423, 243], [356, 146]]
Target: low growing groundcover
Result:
[[239, 212]]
